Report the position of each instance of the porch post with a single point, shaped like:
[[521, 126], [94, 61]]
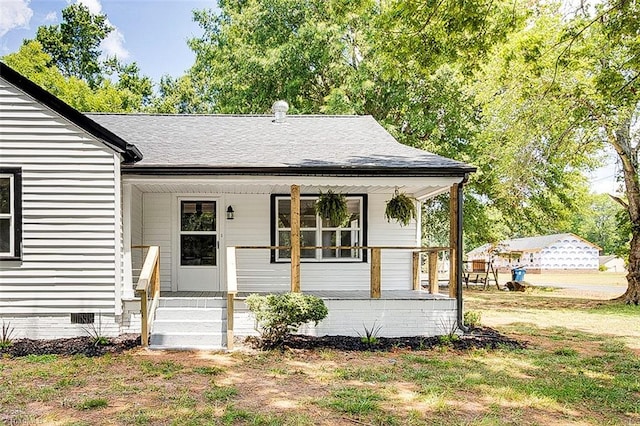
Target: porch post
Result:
[[295, 238], [127, 290], [453, 241]]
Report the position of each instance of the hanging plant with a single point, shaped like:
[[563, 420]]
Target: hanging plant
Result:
[[401, 208], [333, 207]]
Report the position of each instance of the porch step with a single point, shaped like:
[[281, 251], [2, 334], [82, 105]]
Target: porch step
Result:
[[189, 323]]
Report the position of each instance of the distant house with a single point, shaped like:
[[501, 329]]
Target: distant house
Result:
[[557, 252], [612, 263]]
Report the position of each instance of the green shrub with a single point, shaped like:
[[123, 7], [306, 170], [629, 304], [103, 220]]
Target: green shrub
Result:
[[472, 318], [281, 314]]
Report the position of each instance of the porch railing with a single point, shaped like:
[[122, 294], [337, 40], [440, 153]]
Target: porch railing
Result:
[[375, 264], [148, 290]]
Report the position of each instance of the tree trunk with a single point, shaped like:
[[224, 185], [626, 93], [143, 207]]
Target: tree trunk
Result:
[[632, 295], [622, 142]]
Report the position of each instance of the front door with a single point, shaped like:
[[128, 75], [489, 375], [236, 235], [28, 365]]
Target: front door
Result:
[[198, 260]]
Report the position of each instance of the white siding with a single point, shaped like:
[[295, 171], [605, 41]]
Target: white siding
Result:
[[251, 226], [157, 231], [70, 261]]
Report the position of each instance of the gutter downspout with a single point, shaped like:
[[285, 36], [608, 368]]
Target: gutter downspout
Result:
[[459, 304]]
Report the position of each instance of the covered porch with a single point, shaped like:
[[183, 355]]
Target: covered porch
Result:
[[392, 286], [334, 259]]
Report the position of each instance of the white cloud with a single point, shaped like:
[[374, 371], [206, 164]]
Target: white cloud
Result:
[[113, 45], [51, 17], [14, 14], [94, 6]]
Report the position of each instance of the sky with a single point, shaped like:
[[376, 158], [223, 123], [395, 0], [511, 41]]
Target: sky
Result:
[[154, 34]]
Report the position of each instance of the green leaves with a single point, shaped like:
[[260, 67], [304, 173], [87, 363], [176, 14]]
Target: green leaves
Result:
[[401, 208], [281, 314], [332, 207]]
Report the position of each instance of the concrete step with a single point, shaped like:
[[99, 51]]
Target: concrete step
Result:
[[192, 302], [201, 314], [193, 340], [189, 326], [190, 323]]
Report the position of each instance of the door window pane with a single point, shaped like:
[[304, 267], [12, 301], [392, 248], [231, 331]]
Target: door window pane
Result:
[[5, 235], [198, 250], [5, 195], [198, 215]]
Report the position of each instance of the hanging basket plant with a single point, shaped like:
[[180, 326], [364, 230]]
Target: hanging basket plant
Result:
[[333, 207], [400, 208]]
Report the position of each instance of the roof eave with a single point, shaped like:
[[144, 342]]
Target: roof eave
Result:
[[171, 170]]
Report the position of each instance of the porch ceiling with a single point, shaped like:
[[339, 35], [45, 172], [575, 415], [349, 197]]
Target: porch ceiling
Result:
[[420, 188]]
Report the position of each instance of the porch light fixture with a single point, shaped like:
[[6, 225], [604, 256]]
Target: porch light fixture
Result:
[[230, 213]]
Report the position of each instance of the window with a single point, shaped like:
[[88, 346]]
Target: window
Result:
[[315, 231], [10, 213]]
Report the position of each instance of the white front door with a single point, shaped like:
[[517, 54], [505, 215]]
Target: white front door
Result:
[[198, 242]]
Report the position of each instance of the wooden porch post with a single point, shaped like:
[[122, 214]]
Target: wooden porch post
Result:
[[375, 273], [295, 238], [416, 270], [433, 272], [453, 241]]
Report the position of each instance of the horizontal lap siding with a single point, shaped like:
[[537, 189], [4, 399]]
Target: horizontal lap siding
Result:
[[396, 265], [69, 222], [157, 231]]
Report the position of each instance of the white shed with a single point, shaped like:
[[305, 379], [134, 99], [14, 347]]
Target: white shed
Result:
[[557, 252]]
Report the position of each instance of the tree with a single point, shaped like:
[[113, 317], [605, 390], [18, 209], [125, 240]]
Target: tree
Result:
[[403, 62], [552, 96], [32, 62], [74, 45], [65, 60], [600, 221]]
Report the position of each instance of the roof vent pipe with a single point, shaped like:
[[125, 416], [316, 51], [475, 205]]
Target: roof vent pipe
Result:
[[280, 109]]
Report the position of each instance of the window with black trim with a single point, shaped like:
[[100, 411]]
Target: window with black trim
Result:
[[10, 213], [316, 231]]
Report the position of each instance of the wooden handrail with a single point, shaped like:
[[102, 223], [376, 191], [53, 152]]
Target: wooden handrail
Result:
[[148, 289]]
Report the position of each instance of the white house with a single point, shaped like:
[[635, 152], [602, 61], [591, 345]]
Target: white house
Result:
[[557, 252], [81, 191]]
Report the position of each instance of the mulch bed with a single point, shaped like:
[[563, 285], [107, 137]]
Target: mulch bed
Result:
[[71, 346], [479, 338]]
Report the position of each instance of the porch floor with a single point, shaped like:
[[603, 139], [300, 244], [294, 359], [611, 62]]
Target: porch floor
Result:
[[323, 294]]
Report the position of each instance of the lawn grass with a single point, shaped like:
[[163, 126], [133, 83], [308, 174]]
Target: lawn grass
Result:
[[574, 371]]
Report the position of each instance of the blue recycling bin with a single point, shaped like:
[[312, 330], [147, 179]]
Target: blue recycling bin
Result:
[[517, 274]]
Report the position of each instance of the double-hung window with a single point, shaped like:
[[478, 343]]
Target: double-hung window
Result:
[[316, 231], [10, 213]]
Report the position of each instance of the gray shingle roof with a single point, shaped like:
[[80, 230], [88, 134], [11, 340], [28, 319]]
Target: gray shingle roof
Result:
[[303, 142]]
